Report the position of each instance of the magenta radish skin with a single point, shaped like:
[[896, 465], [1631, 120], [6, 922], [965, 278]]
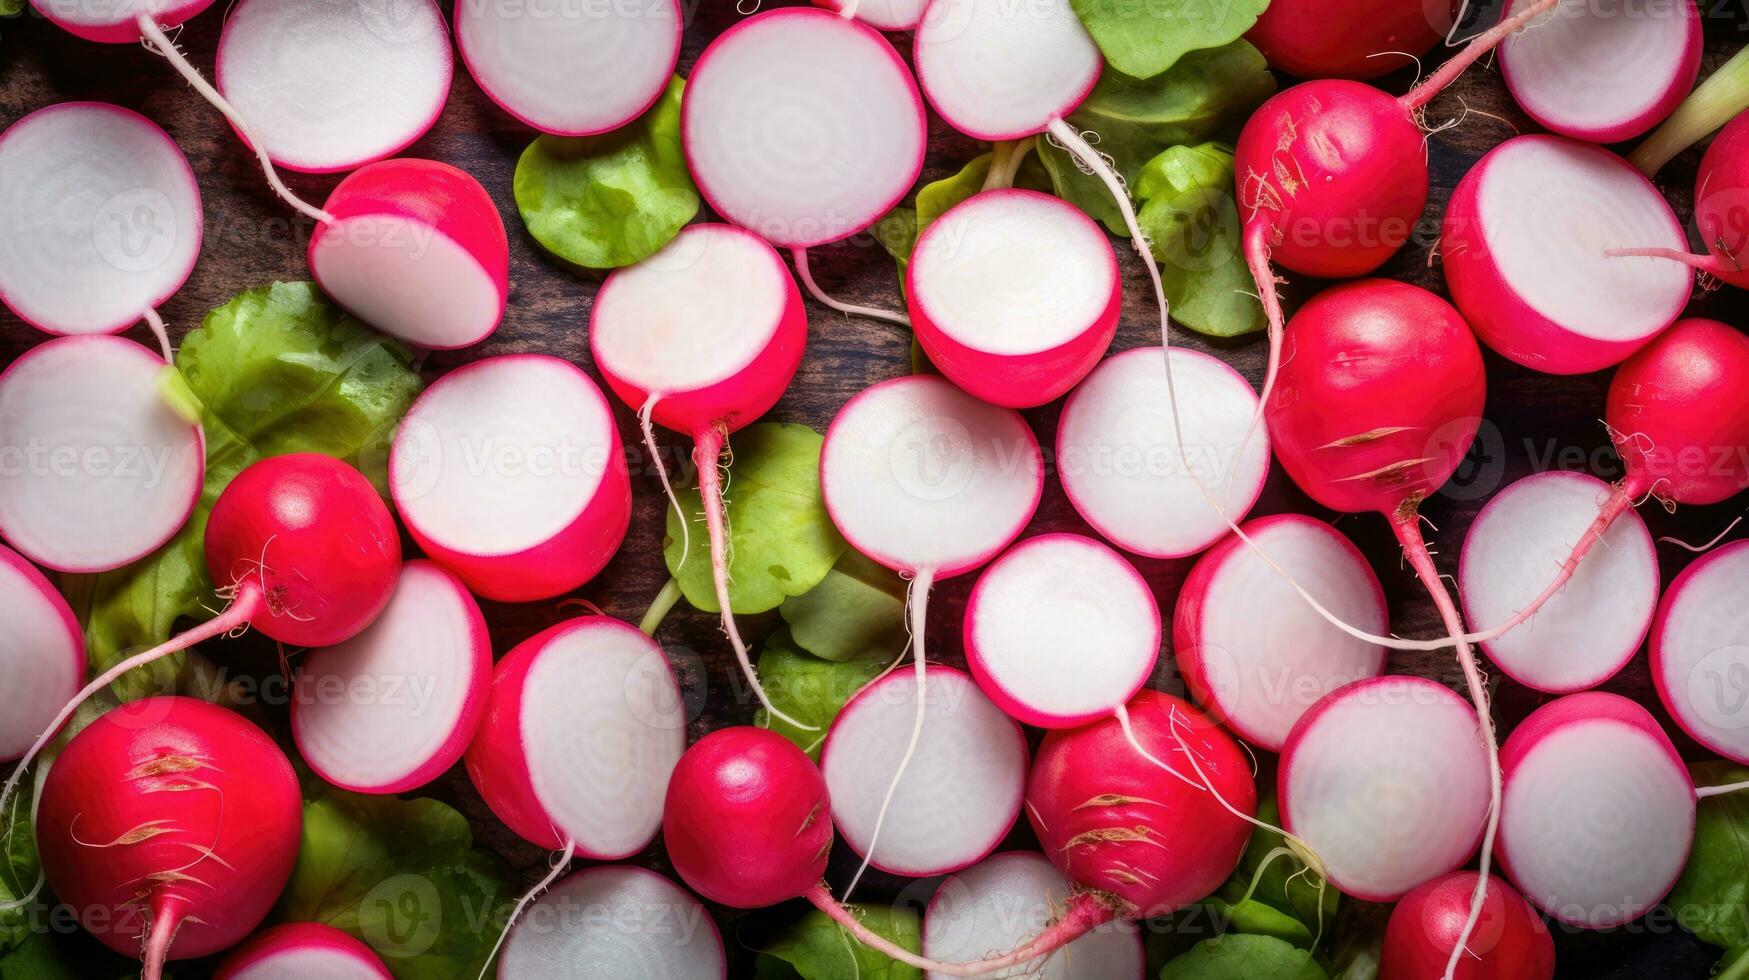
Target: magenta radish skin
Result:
[[615, 921], [1720, 187], [1680, 408], [302, 949], [1510, 942], [1699, 645], [1043, 325], [115, 23], [42, 655], [1359, 41]]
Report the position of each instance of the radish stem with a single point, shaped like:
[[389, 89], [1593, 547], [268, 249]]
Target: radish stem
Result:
[[1478, 46], [814, 290], [664, 602], [1713, 103]]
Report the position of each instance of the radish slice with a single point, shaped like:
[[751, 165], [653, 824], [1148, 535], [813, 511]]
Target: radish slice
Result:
[[882, 15], [584, 726], [1373, 758], [1254, 653], [416, 249], [115, 22], [1603, 75], [1061, 631], [42, 655], [1523, 246], [1014, 295], [998, 70], [96, 469], [394, 707], [331, 85], [529, 441], [1120, 463], [573, 70], [100, 218], [614, 922], [301, 950], [1007, 899], [1589, 631], [1700, 651], [1598, 813], [969, 751], [802, 126]]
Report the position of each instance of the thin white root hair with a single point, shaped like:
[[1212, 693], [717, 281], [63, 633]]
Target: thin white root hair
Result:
[[559, 866], [655, 451], [1698, 548], [874, 313], [155, 323]]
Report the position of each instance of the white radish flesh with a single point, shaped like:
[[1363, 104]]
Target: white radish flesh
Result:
[[882, 15], [610, 923], [116, 22], [997, 70], [42, 654], [1700, 651]]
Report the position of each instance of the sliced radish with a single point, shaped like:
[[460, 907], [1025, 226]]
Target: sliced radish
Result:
[[416, 249], [1700, 651], [970, 751], [1121, 465], [1061, 631], [802, 126], [42, 654], [116, 22], [1374, 758], [508, 471], [1251, 650], [394, 707], [882, 15], [998, 70], [100, 217], [569, 69], [330, 85], [96, 469], [1523, 246], [1601, 74], [301, 951], [584, 726], [1599, 810], [613, 922], [1007, 899], [1590, 630], [1014, 295]]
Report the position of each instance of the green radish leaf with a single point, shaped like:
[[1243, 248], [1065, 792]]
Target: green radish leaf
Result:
[[1144, 39], [1254, 918], [808, 688], [1711, 899], [1734, 965], [11, 8], [816, 948], [897, 233], [1238, 956], [856, 612], [602, 202], [43, 956], [19, 868], [1191, 218], [1279, 880]]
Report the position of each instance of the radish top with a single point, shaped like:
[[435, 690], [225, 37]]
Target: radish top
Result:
[[997, 70]]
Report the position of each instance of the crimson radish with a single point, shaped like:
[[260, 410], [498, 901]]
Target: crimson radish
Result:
[[1700, 651], [302, 949], [612, 922], [882, 15], [42, 656], [1354, 40], [1720, 187], [172, 820], [117, 23], [530, 440], [1510, 942]]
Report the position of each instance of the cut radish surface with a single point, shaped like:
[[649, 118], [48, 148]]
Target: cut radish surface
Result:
[[116, 22], [1602, 74], [508, 472], [1009, 898], [1523, 247], [882, 15], [1598, 813], [302, 950], [961, 789], [1061, 631], [1375, 757], [584, 726], [1251, 650], [42, 655], [1014, 295], [998, 70], [96, 469], [610, 923], [330, 85], [571, 69], [1700, 651], [802, 126], [1590, 630], [1121, 465], [394, 707], [100, 218]]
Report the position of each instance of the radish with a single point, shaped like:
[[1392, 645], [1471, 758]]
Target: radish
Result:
[[1014, 295], [1358, 40], [702, 338], [1151, 461], [97, 468], [42, 656], [1255, 656], [571, 70], [1374, 757], [172, 820], [612, 922], [529, 440], [1510, 942], [1700, 651], [1061, 631], [1720, 186], [882, 15], [1525, 246], [100, 219], [1588, 632], [392, 708], [117, 23], [302, 949]]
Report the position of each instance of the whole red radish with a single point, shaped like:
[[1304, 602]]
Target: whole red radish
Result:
[[1510, 941], [1311, 39], [1721, 201]]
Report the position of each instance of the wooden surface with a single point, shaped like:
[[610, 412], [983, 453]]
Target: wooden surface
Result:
[[250, 241]]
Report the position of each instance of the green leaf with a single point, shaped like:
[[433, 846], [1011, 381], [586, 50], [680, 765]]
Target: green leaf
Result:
[[41, 956], [1145, 39], [816, 948], [1711, 899], [19, 868], [1254, 918], [1278, 880], [781, 541], [897, 233], [11, 8], [404, 877], [1734, 965], [1191, 218], [807, 688], [1237, 956], [608, 201], [857, 611]]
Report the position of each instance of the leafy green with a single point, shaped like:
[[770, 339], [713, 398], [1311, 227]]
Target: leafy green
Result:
[[1191, 218], [1711, 899], [11, 8], [781, 541], [807, 688], [1145, 39], [857, 611], [607, 201], [40, 956], [816, 948], [1269, 876], [897, 233], [1237, 956], [19, 867], [1734, 965]]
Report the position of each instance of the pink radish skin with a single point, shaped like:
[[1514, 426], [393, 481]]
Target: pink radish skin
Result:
[[1358, 41], [1510, 942], [1720, 187], [42, 656], [116, 23], [1699, 644], [302, 949], [882, 15], [172, 819], [616, 921]]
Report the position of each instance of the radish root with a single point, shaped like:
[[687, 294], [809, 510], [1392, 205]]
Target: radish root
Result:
[[558, 868], [1418, 97], [801, 259], [655, 451]]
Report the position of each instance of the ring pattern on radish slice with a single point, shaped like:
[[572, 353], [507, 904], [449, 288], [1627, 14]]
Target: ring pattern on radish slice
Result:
[[614, 922], [1700, 651], [299, 950], [1038, 64], [42, 656], [117, 22]]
